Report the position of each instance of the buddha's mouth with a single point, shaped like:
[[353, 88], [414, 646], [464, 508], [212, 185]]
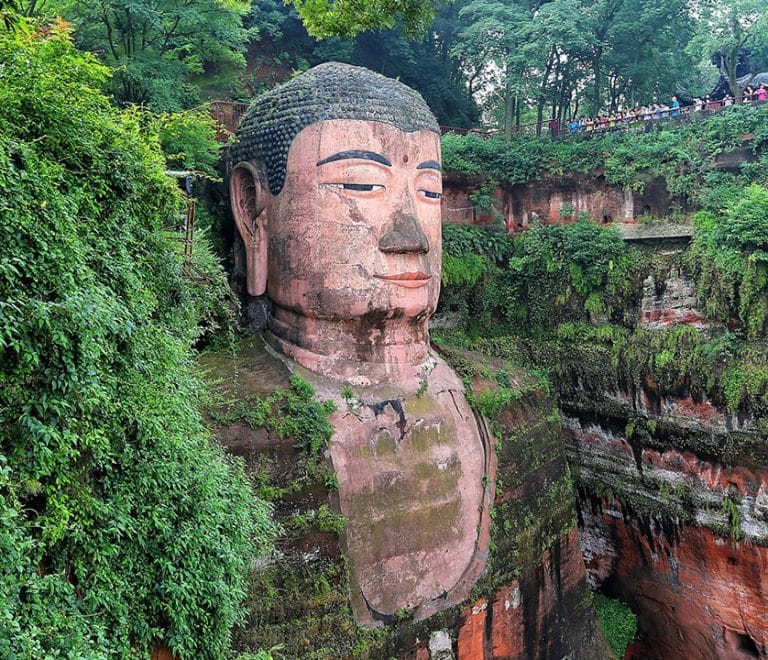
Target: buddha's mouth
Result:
[[410, 280]]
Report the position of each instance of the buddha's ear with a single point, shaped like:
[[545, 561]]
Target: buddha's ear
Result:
[[248, 195]]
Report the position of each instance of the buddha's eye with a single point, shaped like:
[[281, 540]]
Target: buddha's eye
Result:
[[358, 187], [431, 194]]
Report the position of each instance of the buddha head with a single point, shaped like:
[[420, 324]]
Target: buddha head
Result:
[[335, 188]]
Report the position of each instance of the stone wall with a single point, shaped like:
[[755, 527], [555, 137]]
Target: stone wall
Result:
[[673, 499]]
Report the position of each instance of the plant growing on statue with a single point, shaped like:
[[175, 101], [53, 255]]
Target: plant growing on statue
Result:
[[347, 393]]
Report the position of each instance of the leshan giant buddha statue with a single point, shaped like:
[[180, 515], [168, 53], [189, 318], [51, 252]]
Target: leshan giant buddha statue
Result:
[[335, 186]]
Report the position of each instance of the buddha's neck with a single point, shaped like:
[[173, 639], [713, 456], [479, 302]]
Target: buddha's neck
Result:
[[375, 349]]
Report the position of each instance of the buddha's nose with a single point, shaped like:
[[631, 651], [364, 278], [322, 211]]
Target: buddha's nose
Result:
[[403, 236]]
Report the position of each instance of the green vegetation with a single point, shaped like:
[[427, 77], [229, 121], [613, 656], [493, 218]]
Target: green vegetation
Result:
[[154, 47], [532, 282], [122, 525], [565, 298], [726, 28], [297, 601], [681, 153], [291, 414], [188, 140], [730, 261], [323, 18], [617, 621], [731, 509], [528, 62]]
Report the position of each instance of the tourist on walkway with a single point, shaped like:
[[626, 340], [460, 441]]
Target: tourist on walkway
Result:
[[711, 104]]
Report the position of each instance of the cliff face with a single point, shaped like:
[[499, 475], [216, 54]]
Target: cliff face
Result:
[[553, 199], [673, 500], [532, 600], [546, 613], [697, 595], [536, 603], [674, 521], [665, 411]]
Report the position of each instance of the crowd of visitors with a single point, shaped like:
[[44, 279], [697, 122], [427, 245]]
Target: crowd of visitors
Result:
[[607, 121]]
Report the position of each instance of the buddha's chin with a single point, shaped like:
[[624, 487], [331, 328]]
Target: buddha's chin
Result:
[[411, 302]]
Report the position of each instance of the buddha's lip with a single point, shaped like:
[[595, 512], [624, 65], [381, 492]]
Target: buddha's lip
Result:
[[411, 280]]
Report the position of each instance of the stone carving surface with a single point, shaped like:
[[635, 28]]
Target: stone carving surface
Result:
[[335, 187]]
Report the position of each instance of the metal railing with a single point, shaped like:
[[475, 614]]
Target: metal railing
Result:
[[656, 119], [228, 115]]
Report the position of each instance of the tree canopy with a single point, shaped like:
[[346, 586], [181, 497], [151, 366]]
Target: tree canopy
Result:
[[726, 28], [155, 47]]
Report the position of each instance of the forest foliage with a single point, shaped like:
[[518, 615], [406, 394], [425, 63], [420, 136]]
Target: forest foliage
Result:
[[121, 524], [575, 288], [517, 62], [554, 295]]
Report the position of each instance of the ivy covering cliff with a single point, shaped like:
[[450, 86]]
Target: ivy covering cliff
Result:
[[683, 153], [121, 525], [563, 297]]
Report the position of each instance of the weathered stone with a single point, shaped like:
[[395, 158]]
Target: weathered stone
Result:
[[673, 520], [672, 303], [340, 220], [440, 645], [339, 214], [326, 92], [696, 595], [554, 199], [537, 602]]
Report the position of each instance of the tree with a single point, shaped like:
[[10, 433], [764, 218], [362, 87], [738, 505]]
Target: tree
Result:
[[643, 51], [154, 46], [426, 64], [497, 45], [324, 18], [559, 56], [727, 27], [121, 524]]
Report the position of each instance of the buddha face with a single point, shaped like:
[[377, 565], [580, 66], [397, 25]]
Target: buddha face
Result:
[[355, 230]]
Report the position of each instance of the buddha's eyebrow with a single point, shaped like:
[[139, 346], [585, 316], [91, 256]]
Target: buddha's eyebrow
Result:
[[355, 153], [429, 165]]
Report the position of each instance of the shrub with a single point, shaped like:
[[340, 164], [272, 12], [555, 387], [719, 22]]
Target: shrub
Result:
[[681, 153], [617, 621], [747, 221], [729, 257], [531, 282], [120, 523], [188, 139]]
